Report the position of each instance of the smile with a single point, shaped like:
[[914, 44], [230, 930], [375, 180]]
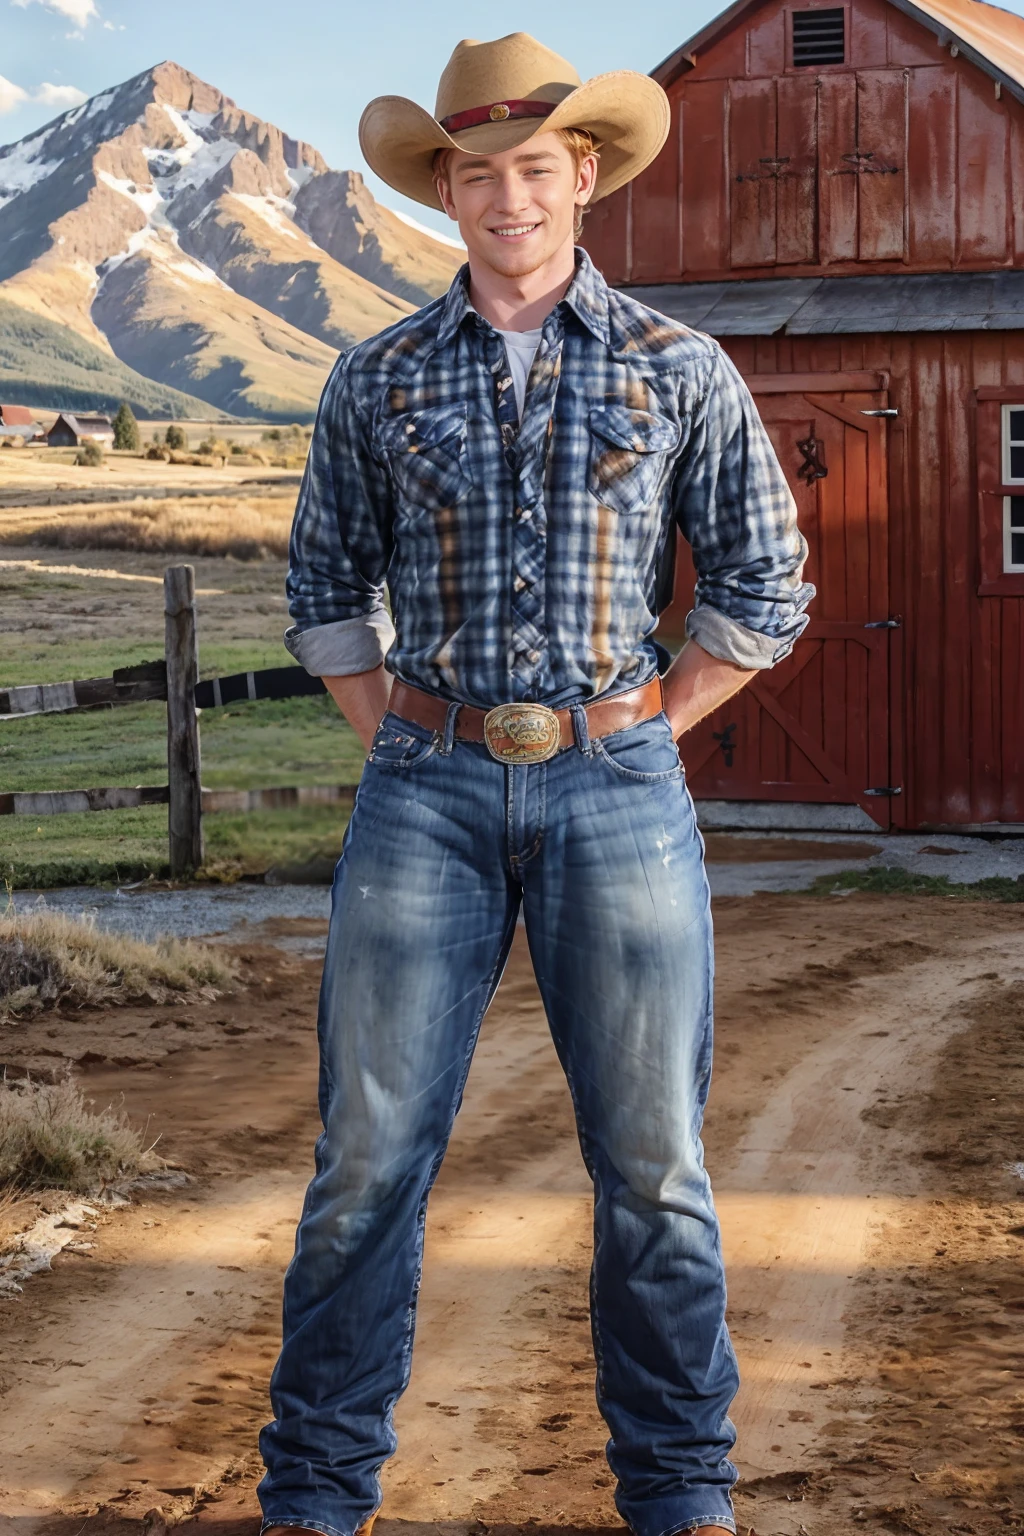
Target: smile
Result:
[[512, 230]]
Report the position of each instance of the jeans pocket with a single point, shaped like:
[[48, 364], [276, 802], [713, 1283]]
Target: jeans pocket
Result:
[[400, 744], [645, 753], [628, 456]]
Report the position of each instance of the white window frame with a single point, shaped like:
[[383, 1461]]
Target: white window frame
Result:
[[1017, 442], [1009, 568]]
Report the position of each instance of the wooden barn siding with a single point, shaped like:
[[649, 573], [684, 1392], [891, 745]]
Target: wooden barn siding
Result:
[[957, 671], [954, 202]]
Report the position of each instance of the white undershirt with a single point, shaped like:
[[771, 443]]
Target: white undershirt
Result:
[[521, 349]]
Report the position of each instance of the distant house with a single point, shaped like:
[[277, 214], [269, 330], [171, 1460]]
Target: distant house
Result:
[[72, 431], [16, 416], [17, 424]]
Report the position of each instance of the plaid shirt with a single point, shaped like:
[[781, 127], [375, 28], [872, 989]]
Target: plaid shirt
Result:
[[520, 559]]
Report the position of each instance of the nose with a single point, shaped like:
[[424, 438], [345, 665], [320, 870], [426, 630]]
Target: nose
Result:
[[511, 195]]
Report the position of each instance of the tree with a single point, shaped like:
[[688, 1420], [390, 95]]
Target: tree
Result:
[[175, 438], [126, 430]]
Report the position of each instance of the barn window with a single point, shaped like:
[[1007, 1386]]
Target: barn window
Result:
[[819, 37], [1013, 534], [1000, 467], [1013, 444]]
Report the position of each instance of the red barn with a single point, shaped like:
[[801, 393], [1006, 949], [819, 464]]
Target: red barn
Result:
[[841, 203]]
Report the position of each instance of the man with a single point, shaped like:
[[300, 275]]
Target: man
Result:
[[512, 459]]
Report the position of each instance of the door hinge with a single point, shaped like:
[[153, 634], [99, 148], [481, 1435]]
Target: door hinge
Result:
[[885, 789], [889, 410], [896, 623]]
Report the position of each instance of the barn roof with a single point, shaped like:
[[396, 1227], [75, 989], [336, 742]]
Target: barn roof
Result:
[[990, 37], [806, 306], [80, 422], [16, 416]]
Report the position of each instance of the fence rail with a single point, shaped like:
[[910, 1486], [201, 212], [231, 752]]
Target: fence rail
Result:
[[129, 685], [174, 680], [60, 802], [148, 681]]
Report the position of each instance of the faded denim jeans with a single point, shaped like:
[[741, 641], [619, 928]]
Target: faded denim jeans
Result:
[[600, 847]]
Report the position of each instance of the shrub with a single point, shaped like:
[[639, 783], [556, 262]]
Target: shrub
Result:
[[48, 959], [90, 454], [175, 438], [158, 451], [51, 1139], [126, 430], [237, 448]]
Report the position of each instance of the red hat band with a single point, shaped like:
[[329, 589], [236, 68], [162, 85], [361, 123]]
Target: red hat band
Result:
[[497, 112]]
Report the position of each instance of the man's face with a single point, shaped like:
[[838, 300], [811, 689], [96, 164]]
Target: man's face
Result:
[[516, 209]]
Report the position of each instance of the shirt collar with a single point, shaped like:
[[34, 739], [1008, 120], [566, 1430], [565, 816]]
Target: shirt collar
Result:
[[587, 297], [456, 306]]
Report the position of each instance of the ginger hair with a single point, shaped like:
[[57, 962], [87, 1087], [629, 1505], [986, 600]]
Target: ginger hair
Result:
[[580, 143]]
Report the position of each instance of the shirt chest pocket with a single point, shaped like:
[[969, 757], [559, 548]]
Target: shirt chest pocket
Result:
[[628, 455], [426, 451]]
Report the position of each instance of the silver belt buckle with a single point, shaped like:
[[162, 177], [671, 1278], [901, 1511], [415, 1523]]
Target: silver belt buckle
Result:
[[522, 733]]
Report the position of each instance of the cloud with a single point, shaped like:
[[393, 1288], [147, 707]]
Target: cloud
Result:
[[78, 11], [11, 95], [50, 95], [46, 95]]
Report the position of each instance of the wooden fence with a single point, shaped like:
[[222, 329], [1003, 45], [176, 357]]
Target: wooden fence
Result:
[[175, 679]]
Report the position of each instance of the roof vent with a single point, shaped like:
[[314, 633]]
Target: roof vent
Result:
[[819, 37]]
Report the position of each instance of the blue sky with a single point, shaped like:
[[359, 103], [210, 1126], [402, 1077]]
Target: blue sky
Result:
[[310, 67]]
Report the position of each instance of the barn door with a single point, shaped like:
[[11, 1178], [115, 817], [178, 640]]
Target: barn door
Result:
[[816, 727], [773, 171]]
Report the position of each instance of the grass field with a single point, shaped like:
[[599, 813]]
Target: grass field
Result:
[[249, 529], [101, 609]]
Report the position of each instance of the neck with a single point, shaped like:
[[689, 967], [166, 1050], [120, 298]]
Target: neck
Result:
[[521, 303]]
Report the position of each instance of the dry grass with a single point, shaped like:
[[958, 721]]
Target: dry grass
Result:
[[48, 960], [50, 1138], [16, 1213], [248, 529]]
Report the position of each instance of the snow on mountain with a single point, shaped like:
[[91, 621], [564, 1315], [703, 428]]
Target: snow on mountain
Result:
[[407, 218]]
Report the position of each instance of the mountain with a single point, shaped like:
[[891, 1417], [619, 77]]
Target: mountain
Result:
[[344, 218], [204, 248], [43, 363]]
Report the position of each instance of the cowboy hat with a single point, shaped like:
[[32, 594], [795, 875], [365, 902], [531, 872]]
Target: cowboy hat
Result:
[[495, 96]]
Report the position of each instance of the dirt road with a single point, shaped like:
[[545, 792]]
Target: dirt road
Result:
[[863, 1133]]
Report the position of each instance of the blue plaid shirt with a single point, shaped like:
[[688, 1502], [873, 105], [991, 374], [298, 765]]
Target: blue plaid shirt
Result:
[[520, 558]]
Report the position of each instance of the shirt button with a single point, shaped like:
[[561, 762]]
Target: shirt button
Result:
[[533, 655], [519, 584], [523, 514]]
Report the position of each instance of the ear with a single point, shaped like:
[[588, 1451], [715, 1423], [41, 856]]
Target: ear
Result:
[[444, 192], [586, 180]]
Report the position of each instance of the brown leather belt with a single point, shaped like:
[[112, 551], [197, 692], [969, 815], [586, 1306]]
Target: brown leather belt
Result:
[[527, 733]]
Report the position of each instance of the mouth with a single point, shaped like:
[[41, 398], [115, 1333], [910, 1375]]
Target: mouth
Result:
[[514, 231]]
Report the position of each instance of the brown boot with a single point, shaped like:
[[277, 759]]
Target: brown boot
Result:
[[366, 1529]]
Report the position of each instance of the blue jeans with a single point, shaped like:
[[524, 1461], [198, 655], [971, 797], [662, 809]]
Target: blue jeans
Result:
[[600, 847]]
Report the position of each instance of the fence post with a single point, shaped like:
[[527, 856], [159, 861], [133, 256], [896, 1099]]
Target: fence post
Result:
[[185, 811]]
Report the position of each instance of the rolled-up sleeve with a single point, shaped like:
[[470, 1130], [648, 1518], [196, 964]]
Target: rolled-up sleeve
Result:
[[341, 542], [737, 512]]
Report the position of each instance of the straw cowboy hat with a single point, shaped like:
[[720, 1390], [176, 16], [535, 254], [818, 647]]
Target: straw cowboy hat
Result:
[[495, 96]]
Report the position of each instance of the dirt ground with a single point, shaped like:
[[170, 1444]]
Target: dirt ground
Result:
[[865, 1140]]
